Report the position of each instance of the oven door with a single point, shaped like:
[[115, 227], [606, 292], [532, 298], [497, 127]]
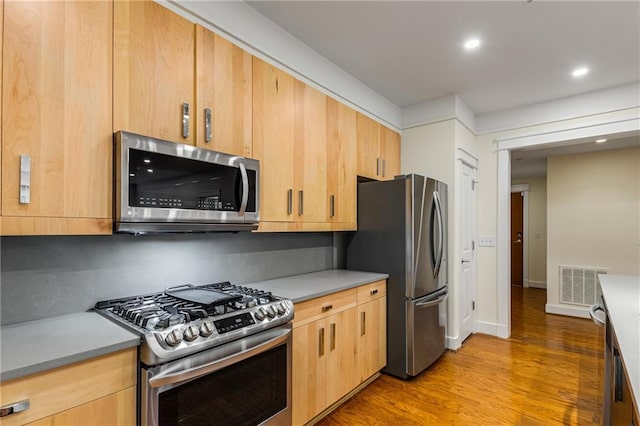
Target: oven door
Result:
[[244, 382]]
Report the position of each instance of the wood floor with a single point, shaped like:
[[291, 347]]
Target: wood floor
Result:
[[548, 373]]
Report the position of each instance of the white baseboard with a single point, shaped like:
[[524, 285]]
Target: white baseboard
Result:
[[453, 343], [569, 310], [486, 328], [536, 284]]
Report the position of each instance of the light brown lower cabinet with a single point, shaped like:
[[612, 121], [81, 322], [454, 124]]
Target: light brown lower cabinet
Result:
[[98, 391], [334, 351]]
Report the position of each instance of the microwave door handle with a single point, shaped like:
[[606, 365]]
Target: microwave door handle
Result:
[[245, 187]]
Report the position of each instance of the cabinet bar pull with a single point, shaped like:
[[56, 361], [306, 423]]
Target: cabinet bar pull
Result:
[[333, 336], [14, 408], [384, 168], [322, 341], [185, 120], [25, 179], [207, 125], [290, 202], [377, 166], [326, 308], [332, 203], [363, 329], [300, 203], [372, 292]]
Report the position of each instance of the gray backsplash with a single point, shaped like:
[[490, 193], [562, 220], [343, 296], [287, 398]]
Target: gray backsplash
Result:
[[47, 276]]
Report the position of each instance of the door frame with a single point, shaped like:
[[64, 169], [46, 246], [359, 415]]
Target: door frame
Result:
[[626, 124], [524, 189]]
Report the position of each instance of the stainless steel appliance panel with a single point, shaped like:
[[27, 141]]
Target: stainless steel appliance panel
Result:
[[426, 323], [245, 382]]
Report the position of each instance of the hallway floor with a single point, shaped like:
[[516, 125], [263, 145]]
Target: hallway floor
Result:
[[548, 373]]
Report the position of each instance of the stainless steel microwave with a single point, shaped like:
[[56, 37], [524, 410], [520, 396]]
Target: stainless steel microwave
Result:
[[161, 186]]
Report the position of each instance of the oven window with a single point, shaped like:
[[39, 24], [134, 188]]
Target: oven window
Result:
[[246, 393]]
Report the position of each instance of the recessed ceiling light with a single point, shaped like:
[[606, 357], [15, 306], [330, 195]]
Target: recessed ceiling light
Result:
[[580, 72], [601, 140], [472, 43]]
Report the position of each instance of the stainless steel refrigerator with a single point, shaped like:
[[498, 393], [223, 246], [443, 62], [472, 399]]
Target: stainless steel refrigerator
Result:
[[402, 231]]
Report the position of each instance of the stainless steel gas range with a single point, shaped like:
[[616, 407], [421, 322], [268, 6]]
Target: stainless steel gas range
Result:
[[211, 354]]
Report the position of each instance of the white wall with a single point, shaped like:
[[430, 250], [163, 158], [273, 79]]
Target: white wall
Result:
[[593, 207], [537, 231]]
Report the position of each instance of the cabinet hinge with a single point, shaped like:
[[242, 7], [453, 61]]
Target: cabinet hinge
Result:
[[473, 245], [473, 184], [473, 305]]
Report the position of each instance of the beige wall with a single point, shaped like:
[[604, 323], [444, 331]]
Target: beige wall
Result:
[[593, 207], [537, 231]]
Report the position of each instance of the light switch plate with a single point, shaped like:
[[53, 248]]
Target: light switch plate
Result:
[[486, 241]]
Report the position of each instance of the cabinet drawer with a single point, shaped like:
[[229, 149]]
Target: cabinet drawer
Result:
[[57, 390], [372, 291], [320, 307]]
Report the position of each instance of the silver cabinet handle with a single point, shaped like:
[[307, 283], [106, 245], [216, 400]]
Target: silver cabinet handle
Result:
[[321, 343], [300, 203], [14, 408], [185, 120], [25, 179], [363, 318], [332, 346], [332, 203], [289, 201], [207, 125]]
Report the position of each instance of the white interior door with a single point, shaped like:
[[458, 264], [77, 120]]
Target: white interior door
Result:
[[467, 260]]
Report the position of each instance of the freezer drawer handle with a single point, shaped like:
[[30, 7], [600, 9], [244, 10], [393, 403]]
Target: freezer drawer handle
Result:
[[327, 308], [14, 408], [372, 292], [432, 302]]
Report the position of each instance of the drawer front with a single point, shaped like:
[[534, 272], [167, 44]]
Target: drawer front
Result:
[[320, 307], [372, 291], [57, 390]]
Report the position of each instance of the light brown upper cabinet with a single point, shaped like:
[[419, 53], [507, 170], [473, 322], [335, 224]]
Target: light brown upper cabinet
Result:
[[223, 95], [57, 118], [341, 165], [153, 71], [378, 150], [273, 140]]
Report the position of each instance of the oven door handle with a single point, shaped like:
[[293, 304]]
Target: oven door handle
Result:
[[172, 377]]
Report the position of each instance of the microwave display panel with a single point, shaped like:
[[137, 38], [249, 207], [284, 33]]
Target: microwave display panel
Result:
[[158, 180]]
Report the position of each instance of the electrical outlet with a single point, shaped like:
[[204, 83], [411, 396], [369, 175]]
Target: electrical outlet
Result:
[[486, 241]]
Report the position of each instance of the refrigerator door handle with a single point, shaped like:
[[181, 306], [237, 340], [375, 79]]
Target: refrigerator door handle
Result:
[[433, 302], [436, 199]]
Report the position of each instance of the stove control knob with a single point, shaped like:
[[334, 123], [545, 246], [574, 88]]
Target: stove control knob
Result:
[[260, 314], [191, 333], [174, 337], [272, 311], [206, 329], [281, 309]]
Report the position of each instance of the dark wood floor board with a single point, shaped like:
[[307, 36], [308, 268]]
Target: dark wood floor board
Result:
[[549, 372]]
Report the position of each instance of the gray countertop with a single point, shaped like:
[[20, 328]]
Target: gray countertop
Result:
[[34, 346], [621, 295], [309, 286]]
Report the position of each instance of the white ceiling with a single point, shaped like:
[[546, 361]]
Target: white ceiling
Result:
[[411, 52]]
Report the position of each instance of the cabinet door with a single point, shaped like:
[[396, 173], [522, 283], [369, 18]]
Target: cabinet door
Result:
[[341, 164], [390, 153], [153, 70], [273, 130], [368, 136], [115, 409], [372, 343], [310, 142], [342, 362], [57, 109], [309, 370], [223, 86]]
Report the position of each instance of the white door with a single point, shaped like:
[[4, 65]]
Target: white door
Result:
[[466, 225]]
